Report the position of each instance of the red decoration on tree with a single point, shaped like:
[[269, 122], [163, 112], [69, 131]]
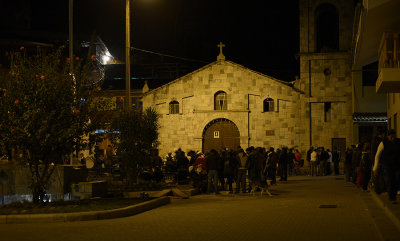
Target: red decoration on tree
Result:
[[21, 48], [12, 130], [122, 99], [77, 112], [93, 57], [76, 58], [99, 88], [69, 60], [95, 71], [42, 77], [5, 94], [16, 101]]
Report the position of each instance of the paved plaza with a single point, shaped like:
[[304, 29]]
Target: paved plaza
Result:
[[304, 208]]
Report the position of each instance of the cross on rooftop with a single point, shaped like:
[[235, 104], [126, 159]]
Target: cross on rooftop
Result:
[[221, 55]]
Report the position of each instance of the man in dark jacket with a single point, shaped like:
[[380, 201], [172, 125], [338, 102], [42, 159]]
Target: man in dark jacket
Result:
[[348, 164], [272, 160], [255, 168], [230, 167], [242, 171], [336, 156], [388, 155], [356, 159], [212, 166], [283, 163]]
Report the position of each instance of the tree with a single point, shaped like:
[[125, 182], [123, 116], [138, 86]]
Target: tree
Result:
[[44, 111], [137, 138]]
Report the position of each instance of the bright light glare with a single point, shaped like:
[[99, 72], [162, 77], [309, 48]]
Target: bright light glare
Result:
[[106, 59]]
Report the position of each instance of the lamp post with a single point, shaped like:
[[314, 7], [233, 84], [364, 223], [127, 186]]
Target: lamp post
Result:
[[71, 35], [128, 56]]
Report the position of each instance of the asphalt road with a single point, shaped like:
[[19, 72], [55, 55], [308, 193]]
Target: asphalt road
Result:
[[293, 213]]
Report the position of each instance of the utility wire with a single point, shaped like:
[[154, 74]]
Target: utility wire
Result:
[[167, 55]]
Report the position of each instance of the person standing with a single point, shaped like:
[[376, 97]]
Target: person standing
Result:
[[220, 169], [292, 160], [252, 166], [242, 171], [272, 161], [388, 154], [309, 159], [82, 159], [109, 156], [313, 161], [230, 168], [366, 166], [212, 171], [297, 162], [378, 180], [324, 156], [328, 162], [348, 164], [283, 162], [336, 156], [256, 169], [356, 159]]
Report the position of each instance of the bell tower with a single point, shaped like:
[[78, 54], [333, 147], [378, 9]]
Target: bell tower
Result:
[[325, 71]]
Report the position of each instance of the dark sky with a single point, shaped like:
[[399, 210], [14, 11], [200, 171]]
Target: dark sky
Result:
[[261, 35]]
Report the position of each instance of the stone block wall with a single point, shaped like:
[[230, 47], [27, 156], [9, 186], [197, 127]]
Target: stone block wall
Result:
[[246, 91]]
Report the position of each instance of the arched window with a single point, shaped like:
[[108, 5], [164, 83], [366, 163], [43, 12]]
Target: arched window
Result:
[[220, 101], [268, 105], [327, 28], [174, 107]]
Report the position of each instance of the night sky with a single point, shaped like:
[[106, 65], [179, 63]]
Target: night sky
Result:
[[260, 35]]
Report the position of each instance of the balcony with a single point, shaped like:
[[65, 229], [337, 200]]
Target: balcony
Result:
[[389, 63]]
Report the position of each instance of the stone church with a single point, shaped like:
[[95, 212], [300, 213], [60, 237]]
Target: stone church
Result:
[[224, 104]]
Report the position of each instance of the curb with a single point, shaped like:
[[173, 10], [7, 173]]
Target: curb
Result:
[[162, 193], [388, 212], [85, 216]]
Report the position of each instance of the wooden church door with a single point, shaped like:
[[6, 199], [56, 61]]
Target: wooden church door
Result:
[[220, 133]]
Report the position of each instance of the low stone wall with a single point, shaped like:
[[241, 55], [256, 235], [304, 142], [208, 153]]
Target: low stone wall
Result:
[[15, 181]]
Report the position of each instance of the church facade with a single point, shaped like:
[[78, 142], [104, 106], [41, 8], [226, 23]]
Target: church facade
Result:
[[224, 105]]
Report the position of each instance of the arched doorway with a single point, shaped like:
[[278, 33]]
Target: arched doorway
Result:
[[220, 133]]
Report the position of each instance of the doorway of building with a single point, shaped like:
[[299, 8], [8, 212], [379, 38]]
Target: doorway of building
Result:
[[220, 133]]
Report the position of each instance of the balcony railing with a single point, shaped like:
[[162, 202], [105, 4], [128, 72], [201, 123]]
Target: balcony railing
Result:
[[389, 51]]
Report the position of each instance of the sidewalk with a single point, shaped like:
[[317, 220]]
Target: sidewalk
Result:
[[391, 210], [382, 200]]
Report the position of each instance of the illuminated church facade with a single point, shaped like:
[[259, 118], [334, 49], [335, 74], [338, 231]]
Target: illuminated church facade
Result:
[[226, 105]]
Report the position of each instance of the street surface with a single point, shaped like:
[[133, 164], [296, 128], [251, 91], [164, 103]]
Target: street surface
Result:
[[292, 213]]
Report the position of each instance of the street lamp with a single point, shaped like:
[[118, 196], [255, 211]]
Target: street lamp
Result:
[[127, 56], [71, 36]]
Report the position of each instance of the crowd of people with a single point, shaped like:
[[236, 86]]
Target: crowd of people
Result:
[[375, 165], [321, 160], [219, 170], [370, 165]]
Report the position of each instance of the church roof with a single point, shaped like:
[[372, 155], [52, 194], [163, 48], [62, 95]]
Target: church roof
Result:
[[224, 62]]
